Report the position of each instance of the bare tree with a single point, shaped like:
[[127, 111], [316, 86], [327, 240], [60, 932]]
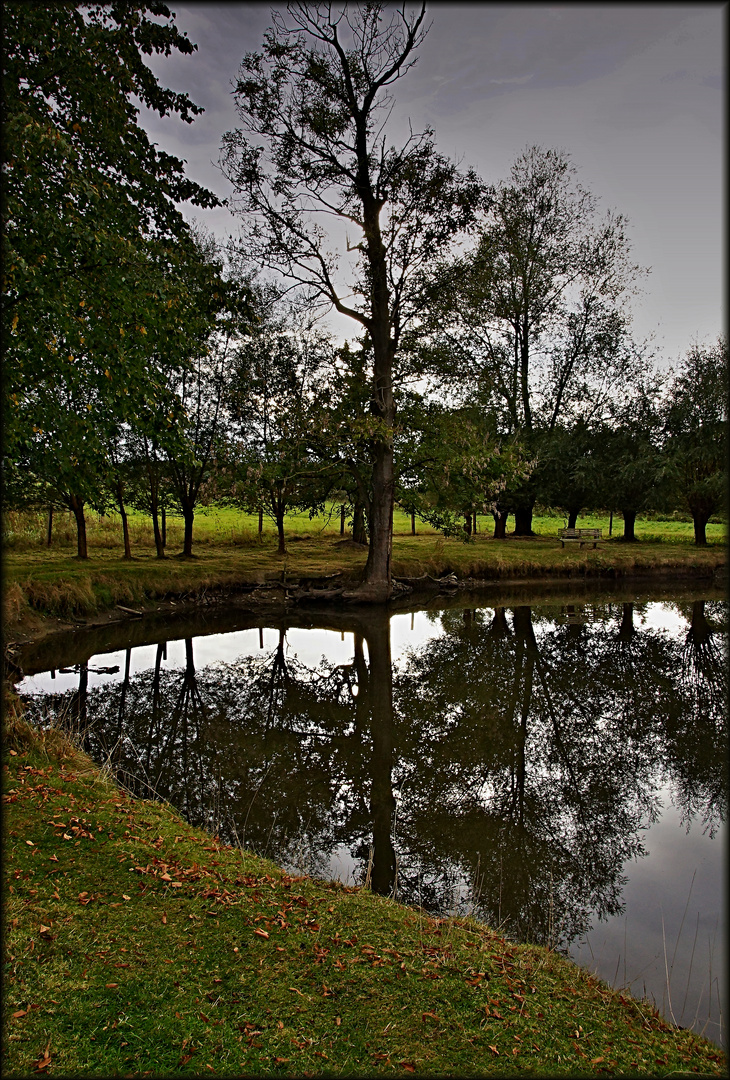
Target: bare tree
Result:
[[314, 104]]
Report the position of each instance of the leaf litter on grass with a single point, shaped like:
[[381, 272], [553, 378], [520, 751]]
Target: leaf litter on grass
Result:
[[142, 944]]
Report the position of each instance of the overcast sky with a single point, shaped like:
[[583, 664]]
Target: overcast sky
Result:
[[633, 93]]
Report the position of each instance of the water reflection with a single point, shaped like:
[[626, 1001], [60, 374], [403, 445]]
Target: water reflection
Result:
[[509, 766]]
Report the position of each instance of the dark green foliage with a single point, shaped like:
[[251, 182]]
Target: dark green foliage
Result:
[[97, 303]]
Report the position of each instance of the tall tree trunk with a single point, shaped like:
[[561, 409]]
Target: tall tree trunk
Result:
[[629, 517], [382, 802], [610, 523], [163, 526], [125, 523], [467, 525], [376, 583], [76, 504], [500, 523], [474, 522], [343, 515], [49, 534], [261, 522], [572, 517], [413, 523]]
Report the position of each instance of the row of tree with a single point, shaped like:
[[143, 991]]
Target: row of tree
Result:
[[144, 368]]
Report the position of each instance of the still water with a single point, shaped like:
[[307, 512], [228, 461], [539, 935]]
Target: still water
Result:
[[557, 769]]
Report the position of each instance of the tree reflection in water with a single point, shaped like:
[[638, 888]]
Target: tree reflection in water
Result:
[[507, 767]]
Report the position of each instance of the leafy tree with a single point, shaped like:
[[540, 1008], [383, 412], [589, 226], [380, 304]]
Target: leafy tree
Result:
[[617, 463], [275, 392], [451, 465], [197, 446], [95, 310], [317, 97], [537, 311], [696, 433]]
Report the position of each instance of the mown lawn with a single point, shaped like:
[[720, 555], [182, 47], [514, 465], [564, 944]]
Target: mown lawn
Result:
[[137, 945]]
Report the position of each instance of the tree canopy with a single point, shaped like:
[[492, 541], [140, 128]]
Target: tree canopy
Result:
[[96, 304], [314, 104]]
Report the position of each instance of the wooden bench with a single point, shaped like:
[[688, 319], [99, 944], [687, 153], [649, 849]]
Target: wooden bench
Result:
[[579, 536]]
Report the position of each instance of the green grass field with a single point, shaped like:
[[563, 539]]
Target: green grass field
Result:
[[136, 945], [226, 527]]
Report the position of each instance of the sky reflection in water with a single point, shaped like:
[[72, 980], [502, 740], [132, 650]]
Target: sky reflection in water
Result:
[[512, 762]]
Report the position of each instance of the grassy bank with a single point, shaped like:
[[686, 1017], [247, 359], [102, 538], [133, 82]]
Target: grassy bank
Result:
[[137, 945], [53, 582]]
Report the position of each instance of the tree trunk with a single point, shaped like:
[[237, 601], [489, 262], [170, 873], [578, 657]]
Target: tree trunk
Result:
[[467, 525], [159, 547], [474, 522], [188, 512], [359, 531], [376, 582], [610, 523], [163, 524], [700, 630], [376, 585], [76, 504], [413, 523], [629, 517], [626, 630], [499, 627], [50, 526], [699, 520], [261, 522], [523, 520], [125, 523], [343, 515], [279, 509], [382, 802], [500, 524], [572, 518]]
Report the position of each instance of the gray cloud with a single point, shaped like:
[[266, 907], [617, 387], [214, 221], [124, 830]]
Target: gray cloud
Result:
[[632, 92]]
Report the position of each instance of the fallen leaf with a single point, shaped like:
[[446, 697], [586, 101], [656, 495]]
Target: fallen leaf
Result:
[[53, 858], [112, 986], [262, 934], [407, 1066], [164, 918], [125, 897], [595, 1061], [428, 1016], [494, 1050], [20, 1012], [43, 929], [30, 842]]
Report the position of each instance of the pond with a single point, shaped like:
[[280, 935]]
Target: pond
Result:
[[555, 766]]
